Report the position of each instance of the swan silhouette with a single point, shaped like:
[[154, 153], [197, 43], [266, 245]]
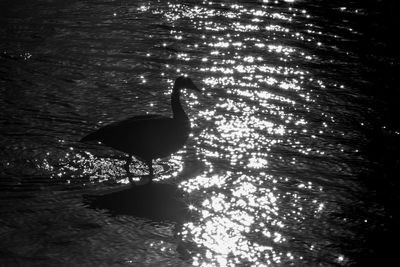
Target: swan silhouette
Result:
[[148, 137]]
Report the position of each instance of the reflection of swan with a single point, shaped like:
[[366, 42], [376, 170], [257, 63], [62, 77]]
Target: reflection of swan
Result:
[[155, 201], [159, 202], [149, 136]]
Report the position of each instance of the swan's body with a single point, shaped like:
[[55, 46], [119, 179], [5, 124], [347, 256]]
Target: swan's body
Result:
[[148, 137]]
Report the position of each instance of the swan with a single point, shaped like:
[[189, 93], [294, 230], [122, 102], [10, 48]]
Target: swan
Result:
[[148, 137]]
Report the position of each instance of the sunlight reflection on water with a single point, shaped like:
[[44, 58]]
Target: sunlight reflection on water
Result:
[[243, 214]]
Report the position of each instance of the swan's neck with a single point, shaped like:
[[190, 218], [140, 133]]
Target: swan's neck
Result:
[[177, 110]]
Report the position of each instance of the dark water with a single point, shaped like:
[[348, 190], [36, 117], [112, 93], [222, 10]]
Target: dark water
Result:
[[293, 158]]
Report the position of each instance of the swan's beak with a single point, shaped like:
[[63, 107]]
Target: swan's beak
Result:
[[193, 87]]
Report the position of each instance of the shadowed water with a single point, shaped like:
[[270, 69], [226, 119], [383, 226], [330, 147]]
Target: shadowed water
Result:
[[293, 147]]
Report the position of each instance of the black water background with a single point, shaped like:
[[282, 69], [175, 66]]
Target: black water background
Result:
[[378, 77]]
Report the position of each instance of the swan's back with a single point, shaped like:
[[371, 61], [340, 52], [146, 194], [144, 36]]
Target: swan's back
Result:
[[146, 136]]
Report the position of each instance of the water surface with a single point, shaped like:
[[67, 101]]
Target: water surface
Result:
[[292, 152]]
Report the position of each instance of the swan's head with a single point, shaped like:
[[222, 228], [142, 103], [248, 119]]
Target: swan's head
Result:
[[185, 82]]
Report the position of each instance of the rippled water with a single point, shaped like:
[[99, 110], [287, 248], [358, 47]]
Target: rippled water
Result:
[[292, 154]]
